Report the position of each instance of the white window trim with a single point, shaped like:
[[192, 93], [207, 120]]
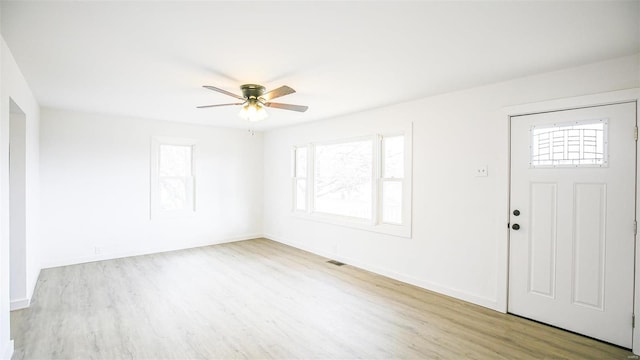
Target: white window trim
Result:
[[156, 211], [375, 224]]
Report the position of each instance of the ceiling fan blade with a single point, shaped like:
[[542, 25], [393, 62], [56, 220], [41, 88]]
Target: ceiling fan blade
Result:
[[276, 93], [208, 106], [223, 92], [300, 108]]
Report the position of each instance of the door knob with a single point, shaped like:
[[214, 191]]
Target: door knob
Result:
[[515, 227]]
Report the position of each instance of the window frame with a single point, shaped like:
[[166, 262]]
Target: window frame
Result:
[[374, 224], [156, 210]]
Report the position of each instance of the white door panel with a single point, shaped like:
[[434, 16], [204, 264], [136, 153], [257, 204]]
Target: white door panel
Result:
[[571, 262]]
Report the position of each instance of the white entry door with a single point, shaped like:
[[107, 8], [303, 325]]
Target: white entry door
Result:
[[571, 247]]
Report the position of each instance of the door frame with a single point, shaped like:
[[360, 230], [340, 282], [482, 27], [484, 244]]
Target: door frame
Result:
[[607, 98]]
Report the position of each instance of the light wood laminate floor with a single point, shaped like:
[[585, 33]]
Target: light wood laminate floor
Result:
[[259, 299]]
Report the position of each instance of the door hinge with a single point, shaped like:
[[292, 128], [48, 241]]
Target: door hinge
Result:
[[635, 227], [635, 133], [633, 321]]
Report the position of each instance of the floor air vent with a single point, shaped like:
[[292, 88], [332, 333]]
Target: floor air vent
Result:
[[337, 263]]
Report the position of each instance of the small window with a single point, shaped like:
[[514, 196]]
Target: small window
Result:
[[344, 179], [175, 177], [576, 144], [392, 178], [300, 178], [172, 178]]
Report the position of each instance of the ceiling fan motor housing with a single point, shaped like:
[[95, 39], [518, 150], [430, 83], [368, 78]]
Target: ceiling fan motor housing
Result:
[[250, 91]]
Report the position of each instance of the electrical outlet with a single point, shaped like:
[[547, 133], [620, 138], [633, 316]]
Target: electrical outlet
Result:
[[482, 171]]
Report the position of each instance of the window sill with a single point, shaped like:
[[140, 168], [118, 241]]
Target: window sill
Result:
[[165, 214], [355, 223]]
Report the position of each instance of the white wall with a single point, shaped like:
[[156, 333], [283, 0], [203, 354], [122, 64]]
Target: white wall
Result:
[[13, 86], [459, 220], [95, 186]]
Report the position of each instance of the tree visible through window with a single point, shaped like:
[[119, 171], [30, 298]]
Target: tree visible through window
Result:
[[343, 179]]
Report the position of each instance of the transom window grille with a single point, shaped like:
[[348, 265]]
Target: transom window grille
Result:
[[575, 144]]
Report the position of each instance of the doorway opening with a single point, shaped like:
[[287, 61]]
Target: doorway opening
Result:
[[17, 208]]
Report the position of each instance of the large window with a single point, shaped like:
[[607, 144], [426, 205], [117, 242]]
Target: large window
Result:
[[361, 182], [172, 177]]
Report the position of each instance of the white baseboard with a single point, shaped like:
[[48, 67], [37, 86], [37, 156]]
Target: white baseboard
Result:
[[31, 287], [431, 286], [19, 304], [117, 255], [7, 352]]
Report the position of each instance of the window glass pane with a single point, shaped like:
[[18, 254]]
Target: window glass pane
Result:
[[343, 178], [175, 160], [301, 194], [173, 194], [392, 202], [393, 160], [574, 144], [301, 162]]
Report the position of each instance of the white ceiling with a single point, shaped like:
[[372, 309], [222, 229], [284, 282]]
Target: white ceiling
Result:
[[150, 59]]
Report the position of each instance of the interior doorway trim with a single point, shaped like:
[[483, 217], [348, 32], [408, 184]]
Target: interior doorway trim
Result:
[[607, 98]]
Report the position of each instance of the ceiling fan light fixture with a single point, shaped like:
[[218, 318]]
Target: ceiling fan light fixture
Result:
[[253, 111], [261, 114]]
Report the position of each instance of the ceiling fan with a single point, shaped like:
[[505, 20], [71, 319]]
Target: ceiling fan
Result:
[[254, 99]]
